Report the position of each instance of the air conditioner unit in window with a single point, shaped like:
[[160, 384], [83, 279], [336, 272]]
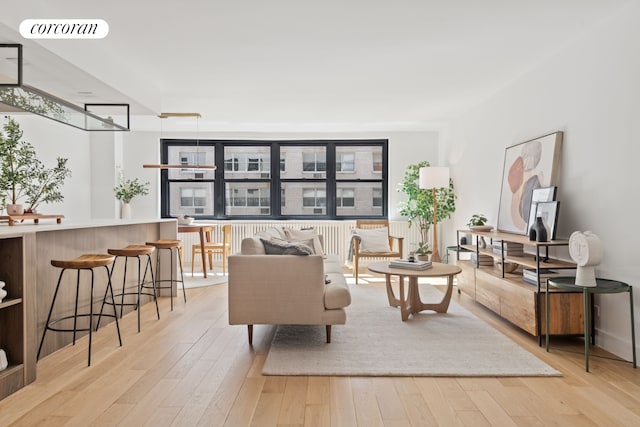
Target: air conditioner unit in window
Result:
[[318, 211], [264, 211], [317, 175], [199, 210], [265, 175], [199, 175]]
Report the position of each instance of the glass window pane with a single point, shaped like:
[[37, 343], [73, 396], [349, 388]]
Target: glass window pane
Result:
[[191, 155], [190, 198], [304, 198], [247, 162], [359, 198], [358, 162], [248, 198], [303, 162]]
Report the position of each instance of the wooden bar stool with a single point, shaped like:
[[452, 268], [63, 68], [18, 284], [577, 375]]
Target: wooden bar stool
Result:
[[169, 245], [83, 262], [133, 251]]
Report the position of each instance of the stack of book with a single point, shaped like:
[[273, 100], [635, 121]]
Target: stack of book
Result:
[[484, 259], [529, 275], [410, 265], [510, 248]]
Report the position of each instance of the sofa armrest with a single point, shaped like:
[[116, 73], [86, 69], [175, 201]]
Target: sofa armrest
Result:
[[276, 289]]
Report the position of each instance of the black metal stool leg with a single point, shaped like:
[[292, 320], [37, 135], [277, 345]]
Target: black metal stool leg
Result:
[[75, 311], [172, 261], [46, 324], [90, 316], [184, 293], [139, 292], [124, 283], [153, 283], [115, 314]]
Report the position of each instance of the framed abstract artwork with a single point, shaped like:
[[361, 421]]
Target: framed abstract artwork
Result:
[[527, 166], [544, 194], [549, 213]]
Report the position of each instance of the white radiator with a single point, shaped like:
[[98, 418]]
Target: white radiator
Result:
[[336, 234]]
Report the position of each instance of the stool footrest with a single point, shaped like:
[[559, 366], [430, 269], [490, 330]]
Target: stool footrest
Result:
[[53, 322]]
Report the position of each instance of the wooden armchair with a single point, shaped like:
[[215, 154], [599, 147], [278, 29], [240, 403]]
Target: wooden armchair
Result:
[[395, 244]]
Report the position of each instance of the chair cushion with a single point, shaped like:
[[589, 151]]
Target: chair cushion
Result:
[[373, 239]]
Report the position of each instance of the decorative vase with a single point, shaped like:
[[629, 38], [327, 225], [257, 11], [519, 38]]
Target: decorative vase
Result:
[[125, 211], [538, 231], [16, 209], [3, 293]]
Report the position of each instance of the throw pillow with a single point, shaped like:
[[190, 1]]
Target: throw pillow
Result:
[[373, 239], [276, 248], [293, 234], [308, 243]]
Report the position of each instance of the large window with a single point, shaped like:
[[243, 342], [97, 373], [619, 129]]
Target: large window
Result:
[[319, 179]]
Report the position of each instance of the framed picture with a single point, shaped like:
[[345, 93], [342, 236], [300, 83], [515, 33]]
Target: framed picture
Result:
[[549, 213], [527, 166], [545, 194]]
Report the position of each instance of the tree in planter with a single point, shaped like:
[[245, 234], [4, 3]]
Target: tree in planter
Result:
[[418, 208], [22, 175]]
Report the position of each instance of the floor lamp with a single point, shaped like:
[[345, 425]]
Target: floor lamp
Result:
[[434, 177]]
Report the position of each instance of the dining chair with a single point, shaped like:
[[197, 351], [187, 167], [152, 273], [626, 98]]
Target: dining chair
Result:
[[223, 248]]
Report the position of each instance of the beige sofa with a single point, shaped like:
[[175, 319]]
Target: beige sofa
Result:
[[285, 289]]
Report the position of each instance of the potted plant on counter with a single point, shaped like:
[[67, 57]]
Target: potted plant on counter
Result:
[[23, 177], [126, 190]]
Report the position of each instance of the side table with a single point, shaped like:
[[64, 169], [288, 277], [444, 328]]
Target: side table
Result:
[[603, 286]]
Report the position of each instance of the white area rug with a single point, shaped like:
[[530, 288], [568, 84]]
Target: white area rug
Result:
[[375, 341], [198, 280]]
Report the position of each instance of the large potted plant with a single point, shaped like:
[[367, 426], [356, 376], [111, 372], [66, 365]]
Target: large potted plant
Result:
[[23, 177], [418, 207]]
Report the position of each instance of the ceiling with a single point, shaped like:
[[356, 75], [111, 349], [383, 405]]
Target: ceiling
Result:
[[284, 65]]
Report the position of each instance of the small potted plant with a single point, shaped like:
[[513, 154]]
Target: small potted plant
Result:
[[478, 222], [126, 190], [423, 251]]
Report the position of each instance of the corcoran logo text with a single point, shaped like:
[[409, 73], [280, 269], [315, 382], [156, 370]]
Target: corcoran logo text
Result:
[[64, 28]]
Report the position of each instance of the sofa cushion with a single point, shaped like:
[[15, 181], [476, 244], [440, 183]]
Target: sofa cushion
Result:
[[282, 247], [251, 246], [293, 234], [271, 232]]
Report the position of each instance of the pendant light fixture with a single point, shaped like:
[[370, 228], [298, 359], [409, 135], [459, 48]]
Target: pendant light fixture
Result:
[[182, 166]]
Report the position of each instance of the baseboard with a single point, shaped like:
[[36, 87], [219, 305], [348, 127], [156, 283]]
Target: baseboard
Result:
[[620, 346]]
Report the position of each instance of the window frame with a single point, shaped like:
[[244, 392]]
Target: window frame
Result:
[[332, 177]]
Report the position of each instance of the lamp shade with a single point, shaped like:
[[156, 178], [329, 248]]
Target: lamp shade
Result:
[[434, 177]]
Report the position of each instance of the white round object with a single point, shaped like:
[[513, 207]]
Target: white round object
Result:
[[585, 248]]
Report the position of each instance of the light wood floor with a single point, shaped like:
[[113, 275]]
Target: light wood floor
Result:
[[192, 368]]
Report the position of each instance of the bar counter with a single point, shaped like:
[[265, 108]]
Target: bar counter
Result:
[[26, 251]]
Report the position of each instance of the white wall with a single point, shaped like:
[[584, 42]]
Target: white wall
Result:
[[52, 140], [591, 91]]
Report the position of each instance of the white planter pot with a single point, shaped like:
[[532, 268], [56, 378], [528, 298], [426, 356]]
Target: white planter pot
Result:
[[125, 211], [15, 209]]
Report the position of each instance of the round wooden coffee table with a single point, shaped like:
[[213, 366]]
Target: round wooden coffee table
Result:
[[412, 304]]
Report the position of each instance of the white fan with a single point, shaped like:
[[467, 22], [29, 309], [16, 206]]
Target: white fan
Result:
[[586, 251]]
